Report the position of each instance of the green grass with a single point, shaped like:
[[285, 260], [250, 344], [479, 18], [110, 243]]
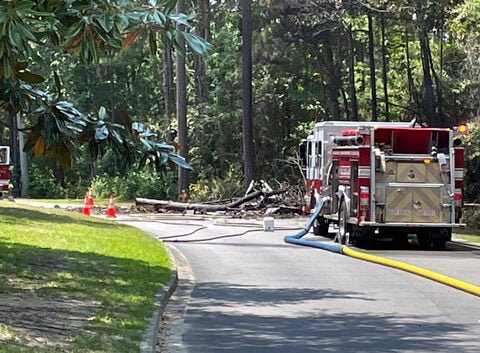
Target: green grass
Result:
[[99, 276], [98, 201], [469, 234]]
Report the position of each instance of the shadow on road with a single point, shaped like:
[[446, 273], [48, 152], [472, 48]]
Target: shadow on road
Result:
[[222, 327]]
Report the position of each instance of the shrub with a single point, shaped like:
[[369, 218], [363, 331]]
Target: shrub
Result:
[[136, 183]]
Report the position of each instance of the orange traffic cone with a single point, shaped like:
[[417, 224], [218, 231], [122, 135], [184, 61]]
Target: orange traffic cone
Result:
[[111, 208], [85, 208], [90, 198]]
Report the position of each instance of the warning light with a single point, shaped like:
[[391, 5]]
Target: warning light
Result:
[[462, 128], [426, 160]]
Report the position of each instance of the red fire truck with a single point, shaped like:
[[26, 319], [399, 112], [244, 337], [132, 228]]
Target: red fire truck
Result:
[[4, 169], [385, 180]]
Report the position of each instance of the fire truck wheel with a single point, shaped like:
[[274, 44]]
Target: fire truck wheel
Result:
[[343, 233]]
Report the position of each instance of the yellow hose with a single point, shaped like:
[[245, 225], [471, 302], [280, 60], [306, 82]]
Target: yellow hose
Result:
[[449, 281]]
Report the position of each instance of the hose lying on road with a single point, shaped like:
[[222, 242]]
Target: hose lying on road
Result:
[[345, 250], [297, 238], [438, 277]]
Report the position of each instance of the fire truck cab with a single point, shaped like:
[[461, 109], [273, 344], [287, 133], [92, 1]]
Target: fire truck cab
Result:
[[385, 179]]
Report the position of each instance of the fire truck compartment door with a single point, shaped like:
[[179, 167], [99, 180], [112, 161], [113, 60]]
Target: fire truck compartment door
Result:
[[411, 173], [415, 204]]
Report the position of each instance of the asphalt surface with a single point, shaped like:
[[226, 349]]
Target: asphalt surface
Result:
[[254, 293]]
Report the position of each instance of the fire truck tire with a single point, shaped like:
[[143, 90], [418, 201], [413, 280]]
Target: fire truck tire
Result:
[[343, 232], [320, 227], [434, 239]]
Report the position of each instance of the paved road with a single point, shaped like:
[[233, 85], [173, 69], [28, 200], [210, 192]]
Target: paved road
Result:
[[255, 293]]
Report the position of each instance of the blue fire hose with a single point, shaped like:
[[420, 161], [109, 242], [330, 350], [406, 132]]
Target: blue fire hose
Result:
[[297, 238], [345, 250]]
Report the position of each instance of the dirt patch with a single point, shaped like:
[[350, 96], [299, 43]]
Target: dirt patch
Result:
[[29, 319]]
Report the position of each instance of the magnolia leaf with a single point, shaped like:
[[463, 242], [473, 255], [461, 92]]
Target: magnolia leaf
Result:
[[87, 134], [107, 21], [30, 77], [31, 141], [102, 113], [162, 158], [146, 143], [165, 146], [101, 133], [129, 39], [198, 44], [21, 65], [39, 146], [180, 161]]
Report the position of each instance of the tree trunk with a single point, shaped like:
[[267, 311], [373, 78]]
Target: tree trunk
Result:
[[201, 79], [438, 83], [413, 95], [429, 100], [247, 121], [168, 88], [384, 68], [351, 76], [182, 206], [181, 106], [371, 55], [326, 59]]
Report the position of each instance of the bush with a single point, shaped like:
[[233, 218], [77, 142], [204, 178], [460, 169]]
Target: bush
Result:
[[135, 184], [471, 216], [217, 188], [44, 184]]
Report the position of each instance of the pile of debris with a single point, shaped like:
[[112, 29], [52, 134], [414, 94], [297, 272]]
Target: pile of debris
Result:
[[259, 197]]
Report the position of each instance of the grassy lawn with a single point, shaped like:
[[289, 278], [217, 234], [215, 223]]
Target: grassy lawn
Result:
[[72, 283], [469, 234]]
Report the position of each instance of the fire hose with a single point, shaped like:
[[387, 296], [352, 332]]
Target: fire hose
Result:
[[345, 250], [297, 239]]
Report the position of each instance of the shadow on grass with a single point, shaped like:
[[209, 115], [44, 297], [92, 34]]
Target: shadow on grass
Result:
[[237, 318], [47, 297]]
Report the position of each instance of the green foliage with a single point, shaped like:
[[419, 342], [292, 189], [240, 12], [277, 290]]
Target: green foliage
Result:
[[50, 181], [215, 128], [472, 162], [300, 76], [215, 188], [471, 216], [136, 183], [90, 31]]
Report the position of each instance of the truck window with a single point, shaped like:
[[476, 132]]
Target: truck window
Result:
[[4, 155]]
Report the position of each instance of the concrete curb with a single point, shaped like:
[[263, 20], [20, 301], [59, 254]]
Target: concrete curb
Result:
[[149, 339]]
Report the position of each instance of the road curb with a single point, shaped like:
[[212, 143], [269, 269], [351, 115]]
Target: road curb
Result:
[[149, 339]]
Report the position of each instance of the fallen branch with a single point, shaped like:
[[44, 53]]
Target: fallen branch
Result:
[[205, 207]]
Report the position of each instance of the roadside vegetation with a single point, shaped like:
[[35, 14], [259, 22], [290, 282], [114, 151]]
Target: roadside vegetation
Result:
[[72, 283]]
